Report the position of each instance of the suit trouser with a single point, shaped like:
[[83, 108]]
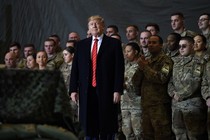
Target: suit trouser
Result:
[[93, 132]]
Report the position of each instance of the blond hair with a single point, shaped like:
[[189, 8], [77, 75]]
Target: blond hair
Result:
[[96, 17]]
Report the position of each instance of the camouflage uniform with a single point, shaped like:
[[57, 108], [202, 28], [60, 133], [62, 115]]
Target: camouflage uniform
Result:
[[66, 71], [189, 112], [156, 120], [188, 33], [205, 90], [130, 103], [54, 62], [145, 52], [21, 63], [171, 54], [208, 42]]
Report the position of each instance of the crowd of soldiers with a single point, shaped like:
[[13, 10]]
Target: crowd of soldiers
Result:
[[166, 84]]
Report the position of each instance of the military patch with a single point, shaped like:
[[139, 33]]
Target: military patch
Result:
[[165, 69], [198, 70]]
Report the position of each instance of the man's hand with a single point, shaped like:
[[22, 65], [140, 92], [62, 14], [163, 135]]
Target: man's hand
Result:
[[208, 102], [176, 97], [74, 97], [142, 62], [116, 98]]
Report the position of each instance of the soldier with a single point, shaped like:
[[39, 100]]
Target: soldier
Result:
[[178, 25], [54, 60], [41, 60], [10, 60], [171, 47], [188, 107], [204, 26], [65, 68], [15, 47], [156, 120], [131, 99], [200, 48], [132, 33], [205, 90], [144, 37]]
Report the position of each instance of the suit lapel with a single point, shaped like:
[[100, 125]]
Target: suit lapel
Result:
[[87, 48], [103, 45]]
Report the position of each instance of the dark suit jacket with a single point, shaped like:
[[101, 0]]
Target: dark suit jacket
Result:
[[110, 77]]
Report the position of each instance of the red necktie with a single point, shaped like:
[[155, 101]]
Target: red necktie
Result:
[[94, 61]]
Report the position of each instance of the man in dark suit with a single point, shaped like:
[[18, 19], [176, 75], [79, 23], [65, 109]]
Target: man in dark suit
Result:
[[98, 91]]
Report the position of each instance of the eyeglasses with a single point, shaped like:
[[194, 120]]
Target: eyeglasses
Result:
[[183, 46], [202, 19]]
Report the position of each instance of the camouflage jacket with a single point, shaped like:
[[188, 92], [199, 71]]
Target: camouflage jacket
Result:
[[54, 62], [156, 76], [66, 71], [186, 78], [205, 88], [188, 33], [132, 82]]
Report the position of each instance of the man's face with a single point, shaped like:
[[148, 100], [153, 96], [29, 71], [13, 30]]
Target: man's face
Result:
[[185, 47], [10, 60], [152, 30], [144, 38], [131, 33], [15, 50], [28, 51], [154, 45], [74, 36], [171, 42], [203, 22], [49, 47], [96, 27], [176, 22], [110, 31], [57, 42]]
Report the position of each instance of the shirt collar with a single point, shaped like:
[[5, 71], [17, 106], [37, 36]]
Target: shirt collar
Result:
[[99, 37]]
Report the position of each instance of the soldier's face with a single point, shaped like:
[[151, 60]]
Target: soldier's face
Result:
[[31, 62], [171, 42], [67, 56], [15, 50], [130, 53], [199, 44], [109, 31], [49, 47], [154, 45], [203, 22], [186, 47], [176, 22], [144, 38], [41, 58], [152, 30], [131, 33]]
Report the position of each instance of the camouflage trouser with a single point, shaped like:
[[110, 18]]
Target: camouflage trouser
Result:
[[131, 121], [156, 122], [189, 121], [75, 111], [32, 131]]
